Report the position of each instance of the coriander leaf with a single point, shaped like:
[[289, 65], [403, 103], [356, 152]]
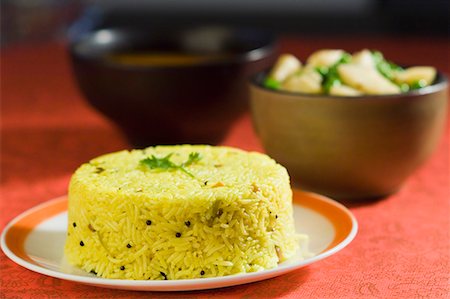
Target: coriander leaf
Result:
[[345, 58], [185, 171], [164, 163], [330, 82], [332, 77], [271, 83], [418, 84], [193, 157], [385, 67], [322, 70], [404, 87], [377, 56], [395, 67]]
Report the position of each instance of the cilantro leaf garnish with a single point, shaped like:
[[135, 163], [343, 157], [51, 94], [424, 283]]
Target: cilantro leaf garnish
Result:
[[193, 157], [385, 67], [165, 164], [271, 83], [330, 76], [418, 84]]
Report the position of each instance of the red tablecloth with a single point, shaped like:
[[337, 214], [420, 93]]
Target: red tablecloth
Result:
[[402, 248]]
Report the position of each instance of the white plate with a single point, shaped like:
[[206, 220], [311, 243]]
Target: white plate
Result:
[[35, 240]]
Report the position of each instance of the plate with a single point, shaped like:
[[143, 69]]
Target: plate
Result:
[[35, 240]]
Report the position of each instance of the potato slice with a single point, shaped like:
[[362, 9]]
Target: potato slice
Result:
[[366, 79], [324, 58], [344, 90], [309, 81], [285, 66], [416, 73], [363, 58]]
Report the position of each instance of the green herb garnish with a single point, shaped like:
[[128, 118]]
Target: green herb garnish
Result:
[[385, 67], [331, 79], [193, 157], [345, 58], [330, 76], [418, 84], [404, 87], [271, 83], [322, 70], [164, 164]]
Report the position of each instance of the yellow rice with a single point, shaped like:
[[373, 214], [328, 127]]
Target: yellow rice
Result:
[[127, 221]]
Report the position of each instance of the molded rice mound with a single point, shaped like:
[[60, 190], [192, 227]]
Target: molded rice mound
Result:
[[233, 214]]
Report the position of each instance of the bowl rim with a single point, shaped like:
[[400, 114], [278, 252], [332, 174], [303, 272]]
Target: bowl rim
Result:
[[441, 82], [268, 48]]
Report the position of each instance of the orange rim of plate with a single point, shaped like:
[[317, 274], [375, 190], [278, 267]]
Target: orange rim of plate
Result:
[[19, 229], [342, 220]]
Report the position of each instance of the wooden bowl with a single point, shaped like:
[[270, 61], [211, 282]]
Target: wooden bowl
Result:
[[349, 147]]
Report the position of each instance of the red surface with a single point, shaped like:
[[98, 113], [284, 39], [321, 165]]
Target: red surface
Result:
[[47, 130]]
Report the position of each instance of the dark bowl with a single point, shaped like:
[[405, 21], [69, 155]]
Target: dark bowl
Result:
[[170, 103], [350, 147]]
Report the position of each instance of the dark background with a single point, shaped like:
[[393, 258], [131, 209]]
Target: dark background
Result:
[[42, 20]]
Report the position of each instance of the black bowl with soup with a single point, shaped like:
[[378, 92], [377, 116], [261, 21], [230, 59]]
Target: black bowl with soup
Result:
[[170, 86]]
